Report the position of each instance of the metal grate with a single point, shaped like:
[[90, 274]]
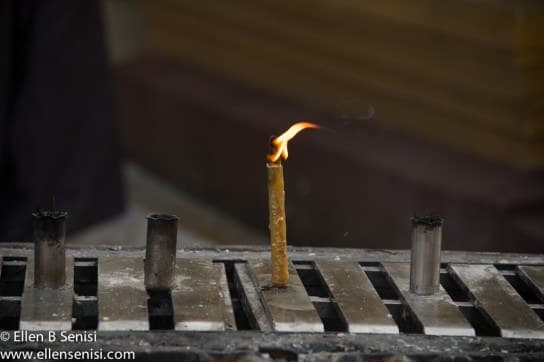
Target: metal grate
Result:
[[331, 290]]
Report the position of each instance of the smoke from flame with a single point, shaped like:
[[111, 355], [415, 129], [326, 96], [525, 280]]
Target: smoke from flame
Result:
[[279, 144]]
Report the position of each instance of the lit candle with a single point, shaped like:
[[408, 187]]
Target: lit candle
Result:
[[276, 204]]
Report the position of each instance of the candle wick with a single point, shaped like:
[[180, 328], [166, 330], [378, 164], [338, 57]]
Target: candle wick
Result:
[[272, 147]]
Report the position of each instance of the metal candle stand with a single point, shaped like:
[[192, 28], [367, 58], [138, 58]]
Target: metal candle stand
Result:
[[340, 303]]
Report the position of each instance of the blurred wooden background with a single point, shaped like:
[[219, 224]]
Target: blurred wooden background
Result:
[[468, 74], [457, 85]]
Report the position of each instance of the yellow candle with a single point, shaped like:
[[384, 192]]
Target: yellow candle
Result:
[[276, 204], [277, 225]]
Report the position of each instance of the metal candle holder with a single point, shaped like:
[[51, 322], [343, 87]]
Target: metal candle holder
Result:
[[49, 249], [160, 253], [425, 259]]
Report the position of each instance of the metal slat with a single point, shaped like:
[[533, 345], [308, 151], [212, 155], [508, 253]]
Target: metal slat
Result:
[[499, 301], [122, 298], [535, 276], [196, 298], [357, 300], [250, 298], [47, 308], [437, 313], [228, 312], [289, 309]]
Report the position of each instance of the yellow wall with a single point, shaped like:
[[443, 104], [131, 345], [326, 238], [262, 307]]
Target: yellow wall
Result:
[[466, 74]]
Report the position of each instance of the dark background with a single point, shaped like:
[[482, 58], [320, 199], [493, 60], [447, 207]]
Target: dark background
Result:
[[199, 88]]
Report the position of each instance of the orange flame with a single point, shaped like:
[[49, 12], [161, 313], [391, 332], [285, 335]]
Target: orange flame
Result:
[[279, 144]]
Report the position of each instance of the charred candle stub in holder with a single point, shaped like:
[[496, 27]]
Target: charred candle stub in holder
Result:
[[425, 260], [160, 253], [49, 250]]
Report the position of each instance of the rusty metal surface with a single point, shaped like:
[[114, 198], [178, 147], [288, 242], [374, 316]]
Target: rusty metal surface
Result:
[[499, 301], [437, 313], [243, 278], [196, 297], [295, 253], [357, 300], [122, 298], [289, 308], [252, 302], [228, 312], [47, 308], [256, 346]]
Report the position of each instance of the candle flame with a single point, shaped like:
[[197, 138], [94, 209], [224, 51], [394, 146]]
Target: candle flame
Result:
[[279, 144]]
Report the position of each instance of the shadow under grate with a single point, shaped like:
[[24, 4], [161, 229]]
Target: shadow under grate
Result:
[[160, 309], [12, 282], [523, 289], [85, 306], [242, 311], [401, 313], [326, 307], [526, 290], [482, 325]]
